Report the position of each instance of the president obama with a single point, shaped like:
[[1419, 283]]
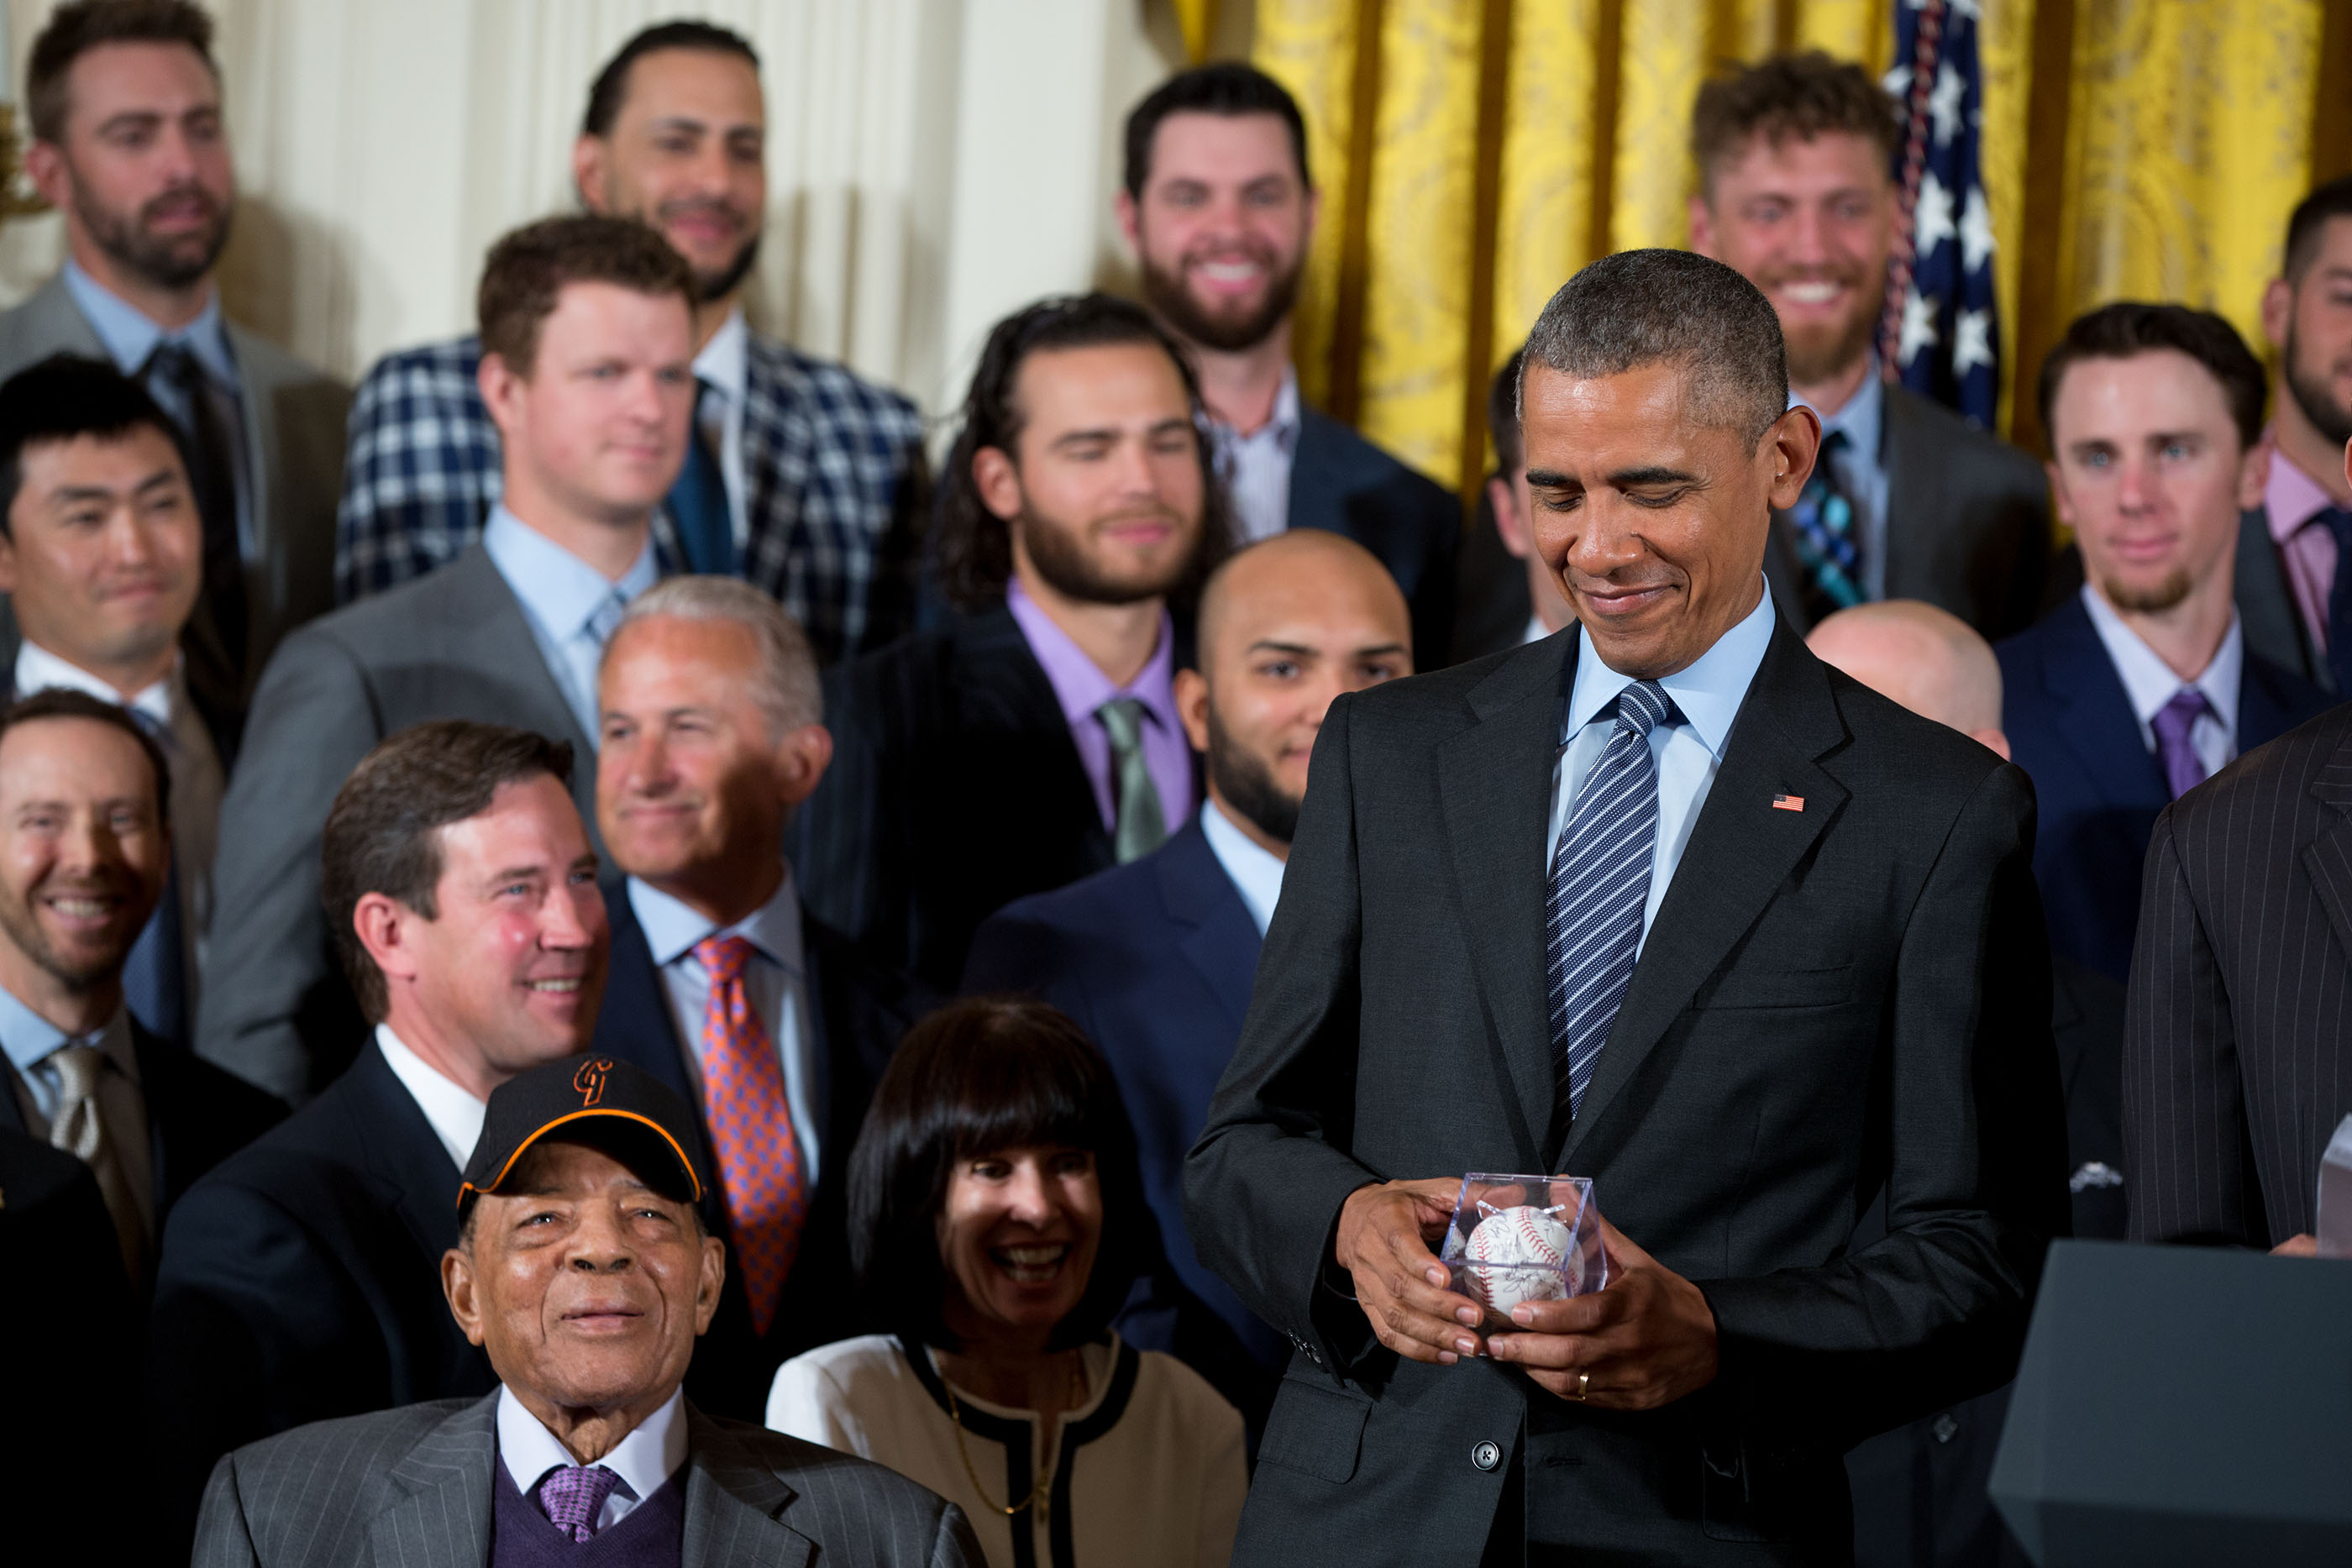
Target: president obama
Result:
[[1666, 902]]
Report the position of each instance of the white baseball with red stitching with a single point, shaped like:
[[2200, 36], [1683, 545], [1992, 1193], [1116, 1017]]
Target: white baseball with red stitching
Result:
[[1501, 1247]]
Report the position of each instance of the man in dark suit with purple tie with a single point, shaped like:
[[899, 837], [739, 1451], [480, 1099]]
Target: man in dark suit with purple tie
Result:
[[2141, 685]]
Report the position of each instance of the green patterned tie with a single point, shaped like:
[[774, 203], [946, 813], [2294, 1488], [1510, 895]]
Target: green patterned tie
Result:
[[1141, 826]]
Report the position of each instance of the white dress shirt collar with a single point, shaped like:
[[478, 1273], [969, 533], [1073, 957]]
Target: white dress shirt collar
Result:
[[644, 1461], [455, 1114], [1708, 694], [672, 928], [2150, 682], [38, 670], [1256, 873]]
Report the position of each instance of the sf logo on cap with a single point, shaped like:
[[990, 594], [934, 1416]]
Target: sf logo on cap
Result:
[[589, 1080]]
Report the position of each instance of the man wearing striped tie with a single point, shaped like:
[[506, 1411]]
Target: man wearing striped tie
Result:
[[723, 985], [1663, 902]]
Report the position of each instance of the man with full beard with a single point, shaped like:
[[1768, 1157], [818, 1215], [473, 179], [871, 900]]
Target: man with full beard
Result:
[[802, 478], [1034, 739], [129, 145], [1155, 959], [1218, 210], [2296, 602], [1908, 500]]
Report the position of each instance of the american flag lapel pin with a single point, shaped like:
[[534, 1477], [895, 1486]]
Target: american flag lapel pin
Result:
[[1788, 803]]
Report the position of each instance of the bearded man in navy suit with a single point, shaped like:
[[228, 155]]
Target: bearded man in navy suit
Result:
[[1154, 959], [2141, 685]]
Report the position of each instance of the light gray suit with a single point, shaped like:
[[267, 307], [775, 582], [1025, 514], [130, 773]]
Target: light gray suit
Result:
[[294, 418], [411, 1488], [453, 645]]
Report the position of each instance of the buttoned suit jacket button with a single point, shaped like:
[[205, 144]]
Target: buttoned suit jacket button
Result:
[[1487, 1456]]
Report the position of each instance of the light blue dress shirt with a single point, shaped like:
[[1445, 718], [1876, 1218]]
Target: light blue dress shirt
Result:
[[130, 339], [1256, 873], [30, 1040], [1687, 748], [776, 981], [1861, 470], [571, 607]]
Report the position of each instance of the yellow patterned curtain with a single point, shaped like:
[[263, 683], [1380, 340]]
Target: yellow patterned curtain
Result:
[[1474, 154]]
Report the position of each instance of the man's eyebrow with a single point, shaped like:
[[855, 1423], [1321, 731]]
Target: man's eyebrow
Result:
[[1655, 474], [1098, 432], [1550, 479], [1377, 649], [1273, 645]]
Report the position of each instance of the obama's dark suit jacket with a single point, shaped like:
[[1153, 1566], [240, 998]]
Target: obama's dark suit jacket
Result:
[[1832, 1001]]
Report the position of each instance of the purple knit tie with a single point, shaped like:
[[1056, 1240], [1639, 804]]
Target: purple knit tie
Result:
[[574, 1495], [2182, 769]]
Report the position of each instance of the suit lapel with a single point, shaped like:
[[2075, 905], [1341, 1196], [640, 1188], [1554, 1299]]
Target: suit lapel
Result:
[[1221, 940], [2096, 722], [731, 1503], [403, 1153], [1495, 780], [58, 327], [443, 1515], [488, 631], [1001, 684], [2274, 626], [1741, 851], [1915, 486], [2327, 858]]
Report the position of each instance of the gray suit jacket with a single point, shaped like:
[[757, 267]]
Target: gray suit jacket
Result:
[[451, 645], [1967, 522], [411, 1488], [294, 417]]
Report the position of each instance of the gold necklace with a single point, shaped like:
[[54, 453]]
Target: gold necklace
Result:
[[1045, 1472]]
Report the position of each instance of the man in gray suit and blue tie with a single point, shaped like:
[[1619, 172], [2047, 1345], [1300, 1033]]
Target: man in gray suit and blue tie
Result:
[[130, 146], [583, 1269], [587, 328]]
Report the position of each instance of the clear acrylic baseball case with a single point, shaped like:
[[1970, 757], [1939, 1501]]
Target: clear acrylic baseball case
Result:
[[1497, 1277]]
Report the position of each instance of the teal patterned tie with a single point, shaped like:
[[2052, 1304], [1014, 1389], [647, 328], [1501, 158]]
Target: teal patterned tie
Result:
[[1142, 827]]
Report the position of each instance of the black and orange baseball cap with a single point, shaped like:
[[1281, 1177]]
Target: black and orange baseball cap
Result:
[[610, 1105]]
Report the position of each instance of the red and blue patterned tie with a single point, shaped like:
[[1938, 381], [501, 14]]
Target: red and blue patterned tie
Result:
[[761, 1172]]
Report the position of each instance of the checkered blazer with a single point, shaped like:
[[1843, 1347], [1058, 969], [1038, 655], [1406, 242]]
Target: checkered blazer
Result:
[[835, 466]]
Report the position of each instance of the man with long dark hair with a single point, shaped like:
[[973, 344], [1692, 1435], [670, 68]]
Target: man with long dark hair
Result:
[[1036, 739]]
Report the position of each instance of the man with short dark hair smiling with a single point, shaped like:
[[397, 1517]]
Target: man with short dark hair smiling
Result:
[[1671, 906], [582, 1267]]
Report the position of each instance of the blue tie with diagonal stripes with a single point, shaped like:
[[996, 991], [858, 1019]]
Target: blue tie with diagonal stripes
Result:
[[1599, 885]]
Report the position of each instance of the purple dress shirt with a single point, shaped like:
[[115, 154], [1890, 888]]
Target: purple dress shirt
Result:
[[1082, 687], [2293, 500]]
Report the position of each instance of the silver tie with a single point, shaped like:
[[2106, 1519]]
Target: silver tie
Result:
[[79, 1129]]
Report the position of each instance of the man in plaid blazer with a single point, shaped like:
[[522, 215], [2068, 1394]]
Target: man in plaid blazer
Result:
[[804, 479]]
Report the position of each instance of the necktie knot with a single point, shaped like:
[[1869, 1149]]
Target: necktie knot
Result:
[[173, 360], [2183, 769], [571, 1496], [1642, 706], [1122, 721], [723, 958], [78, 1067]]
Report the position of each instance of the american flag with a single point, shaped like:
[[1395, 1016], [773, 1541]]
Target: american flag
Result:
[[1941, 337]]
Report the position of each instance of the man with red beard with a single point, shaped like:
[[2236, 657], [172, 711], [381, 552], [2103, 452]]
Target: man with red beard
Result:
[[1035, 738], [801, 479], [2297, 603], [130, 146], [1908, 500], [1219, 209]]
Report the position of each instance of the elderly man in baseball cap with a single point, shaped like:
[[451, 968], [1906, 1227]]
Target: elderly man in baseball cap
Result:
[[584, 1271]]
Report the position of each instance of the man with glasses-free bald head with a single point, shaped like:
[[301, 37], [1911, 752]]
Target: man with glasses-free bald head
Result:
[[1669, 904]]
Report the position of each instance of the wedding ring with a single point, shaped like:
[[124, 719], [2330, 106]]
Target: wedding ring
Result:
[[1583, 1385]]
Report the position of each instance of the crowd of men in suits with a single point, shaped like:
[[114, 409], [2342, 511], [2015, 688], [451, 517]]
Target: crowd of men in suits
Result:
[[616, 669]]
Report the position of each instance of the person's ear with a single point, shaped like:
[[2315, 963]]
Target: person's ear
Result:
[[45, 168], [1793, 443], [1192, 707], [998, 481], [381, 922], [1993, 740], [802, 757], [8, 554], [1702, 227], [1131, 222], [2278, 312], [2255, 472], [502, 389], [708, 1287], [2059, 501], [591, 158], [457, 1289], [1503, 496], [2347, 463]]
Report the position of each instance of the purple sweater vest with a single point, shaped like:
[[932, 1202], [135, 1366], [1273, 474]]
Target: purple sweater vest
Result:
[[652, 1536]]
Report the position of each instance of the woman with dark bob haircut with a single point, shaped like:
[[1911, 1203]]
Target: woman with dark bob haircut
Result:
[[996, 1220]]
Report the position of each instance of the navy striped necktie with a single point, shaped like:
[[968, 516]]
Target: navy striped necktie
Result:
[[1600, 887]]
